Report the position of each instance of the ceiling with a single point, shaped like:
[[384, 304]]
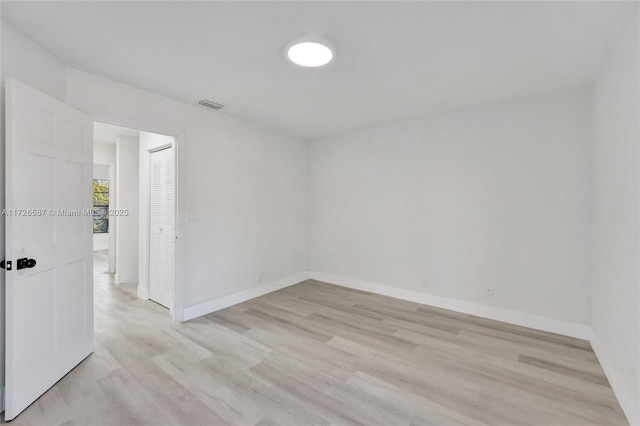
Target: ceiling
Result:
[[108, 133], [394, 60]]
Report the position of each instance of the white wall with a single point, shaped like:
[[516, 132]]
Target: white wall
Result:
[[490, 198], [29, 63], [616, 221], [127, 198], [101, 241], [24, 60], [100, 171], [249, 184], [104, 153]]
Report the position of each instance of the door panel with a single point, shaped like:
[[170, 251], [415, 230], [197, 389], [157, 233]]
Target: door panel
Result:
[[49, 307], [162, 227]]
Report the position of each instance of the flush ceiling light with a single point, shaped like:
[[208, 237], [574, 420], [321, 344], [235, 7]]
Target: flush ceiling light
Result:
[[310, 54]]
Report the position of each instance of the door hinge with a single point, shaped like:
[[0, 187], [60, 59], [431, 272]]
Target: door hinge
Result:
[[5, 265]]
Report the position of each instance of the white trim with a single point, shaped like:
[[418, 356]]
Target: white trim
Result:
[[111, 256], [621, 392], [177, 307], [195, 311], [143, 293], [116, 279], [567, 328]]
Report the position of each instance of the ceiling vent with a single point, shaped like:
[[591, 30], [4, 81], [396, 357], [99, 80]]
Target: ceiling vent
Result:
[[211, 104]]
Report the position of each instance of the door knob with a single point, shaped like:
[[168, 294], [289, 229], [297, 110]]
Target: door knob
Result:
[[25, 263]]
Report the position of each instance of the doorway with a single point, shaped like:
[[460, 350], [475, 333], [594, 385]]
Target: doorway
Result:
[[134, 211]]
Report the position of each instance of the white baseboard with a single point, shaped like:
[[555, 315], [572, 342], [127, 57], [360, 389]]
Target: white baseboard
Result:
[[143, 293], [116, 279], [617, 384], [567, 328], [241, 296]]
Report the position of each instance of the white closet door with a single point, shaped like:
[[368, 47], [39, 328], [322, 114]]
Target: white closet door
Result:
[[162, 227]]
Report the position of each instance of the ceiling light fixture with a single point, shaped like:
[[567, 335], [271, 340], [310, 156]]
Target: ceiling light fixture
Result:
[[310, 54]]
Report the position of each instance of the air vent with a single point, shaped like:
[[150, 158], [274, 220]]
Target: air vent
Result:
[[211, 104]]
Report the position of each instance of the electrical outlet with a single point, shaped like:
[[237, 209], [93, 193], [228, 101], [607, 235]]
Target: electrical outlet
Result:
[[490, 294], [259, 278], [424, 283]]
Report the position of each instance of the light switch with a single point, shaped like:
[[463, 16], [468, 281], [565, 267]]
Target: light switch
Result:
[[193, 214]]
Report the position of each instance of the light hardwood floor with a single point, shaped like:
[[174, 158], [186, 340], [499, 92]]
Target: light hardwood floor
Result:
[[315, 353]]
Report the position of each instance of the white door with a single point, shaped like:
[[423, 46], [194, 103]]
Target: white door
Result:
[[162, 227], [49, 302]]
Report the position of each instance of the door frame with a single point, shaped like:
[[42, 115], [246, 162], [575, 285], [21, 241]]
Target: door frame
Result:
[[177, 309], [111, 258]]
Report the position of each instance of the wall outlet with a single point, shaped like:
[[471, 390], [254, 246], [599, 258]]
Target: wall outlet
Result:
[[490, 294], [423, 283], [259, 278]]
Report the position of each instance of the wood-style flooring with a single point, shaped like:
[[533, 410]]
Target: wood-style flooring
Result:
[[320, 354]]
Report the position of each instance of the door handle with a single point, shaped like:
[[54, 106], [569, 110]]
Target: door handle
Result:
[[25, 263]]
